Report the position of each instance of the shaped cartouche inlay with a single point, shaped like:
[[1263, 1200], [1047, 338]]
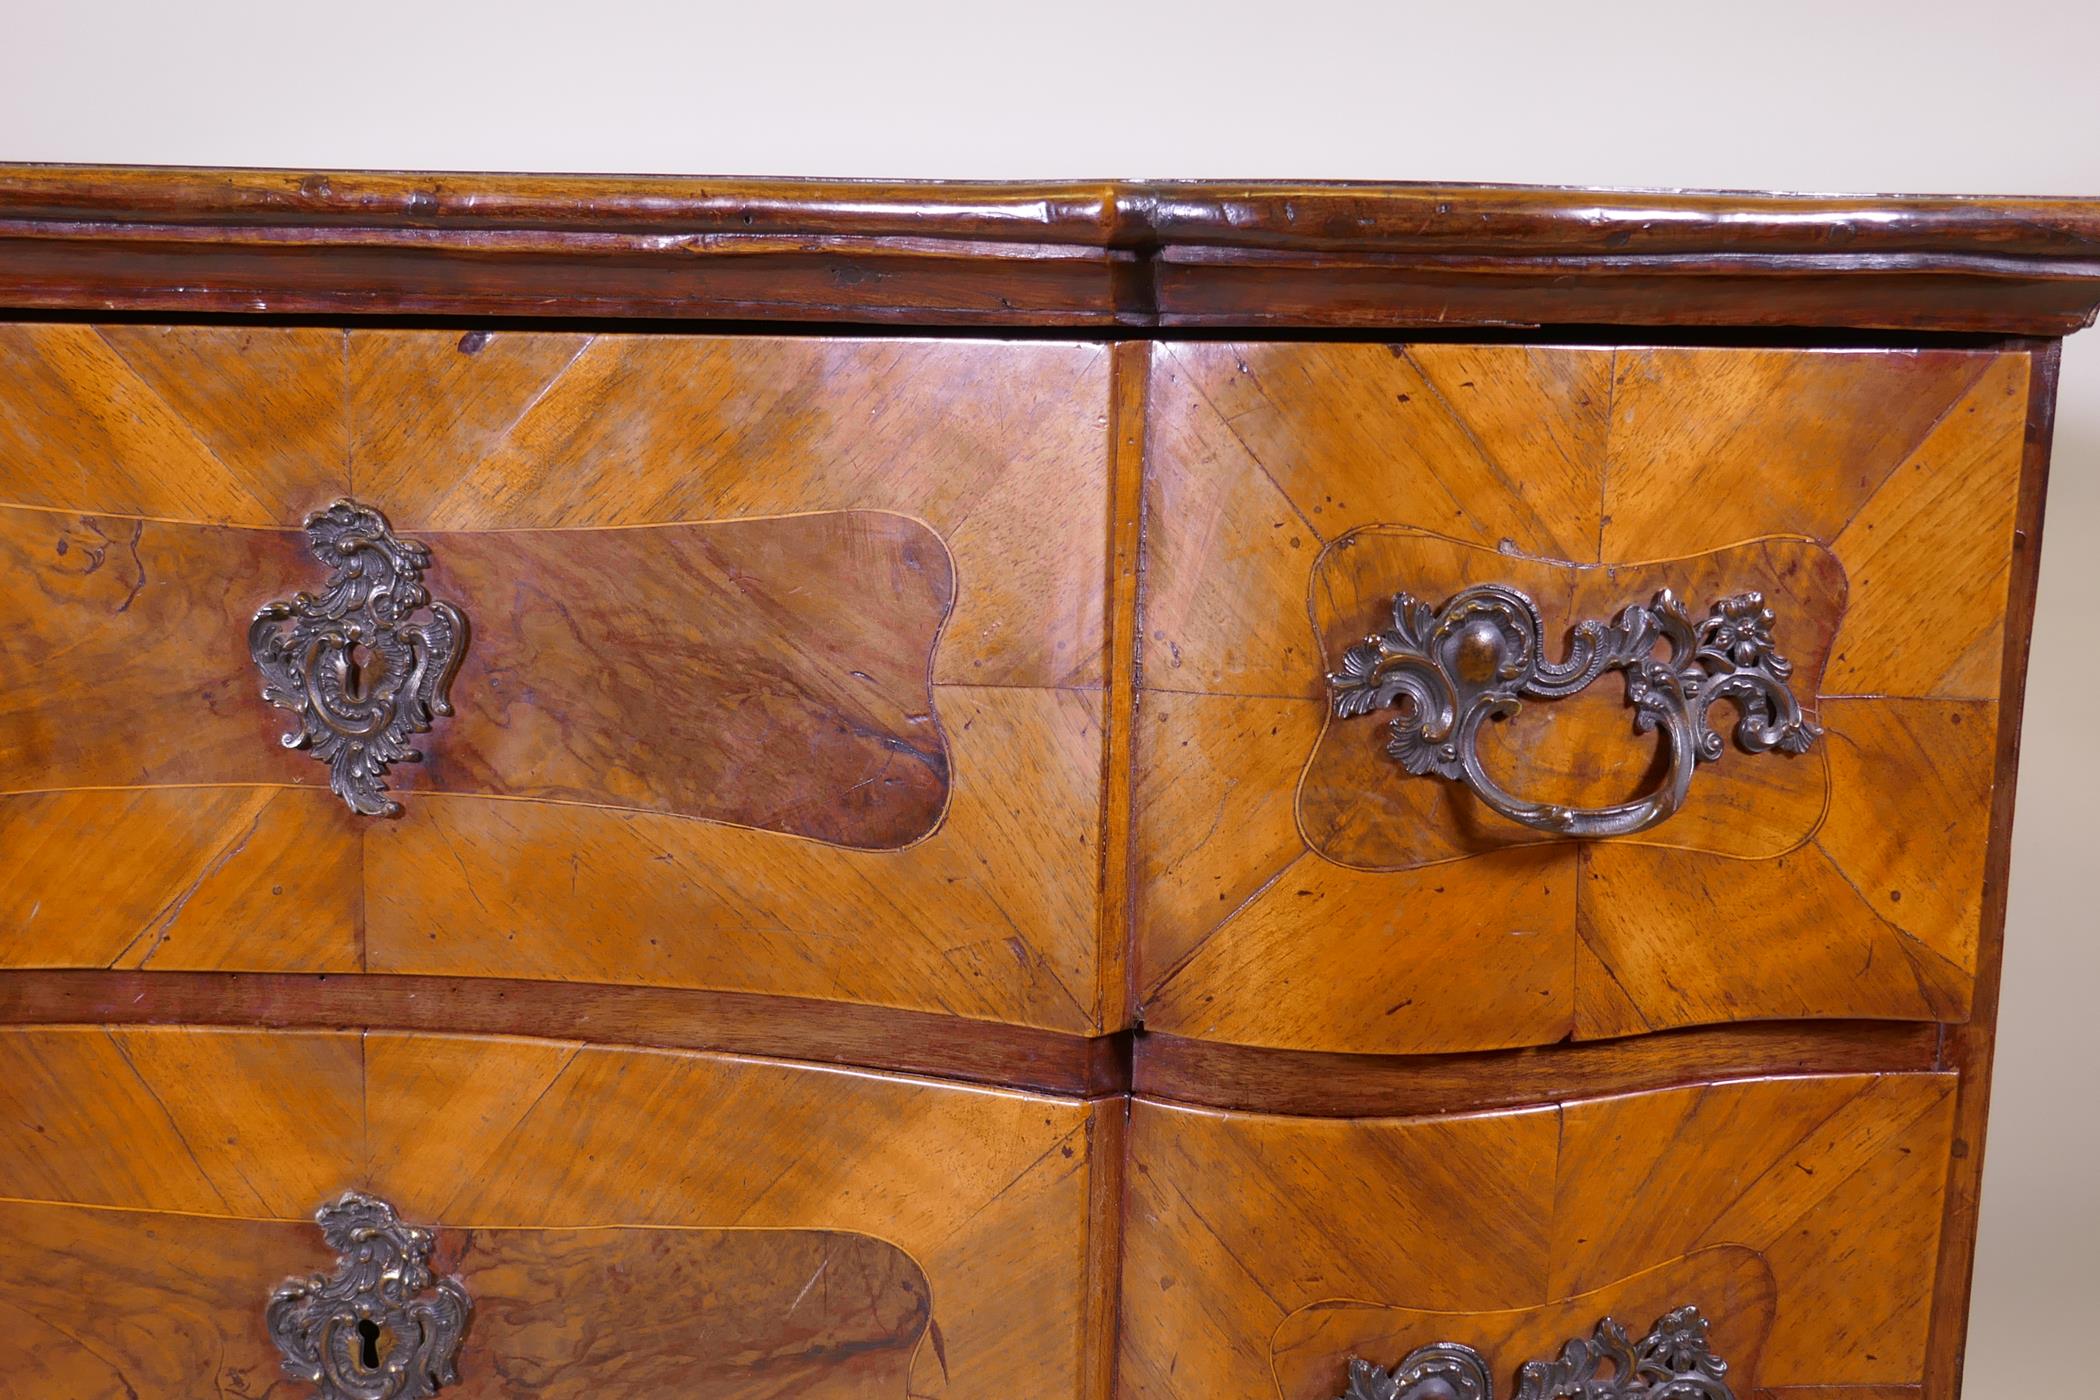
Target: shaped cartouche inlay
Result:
[[773, 673]]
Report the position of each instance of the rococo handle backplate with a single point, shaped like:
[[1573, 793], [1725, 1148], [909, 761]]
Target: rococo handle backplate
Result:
[[380, 1327], [1673, 1362], [1451, 669], [348, 661]]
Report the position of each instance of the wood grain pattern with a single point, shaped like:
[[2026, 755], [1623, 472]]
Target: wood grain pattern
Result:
[[985, 1191], [770, 673], [149, 1305], [1009, 730], [1331, 476], [1130, 381], [127, 660], [1329, 216], [735, 1314], [853, 591], [1238, 1221], [269, 879], [991, 917], [202, 1121], [1366, 292], [1731, 1286], [1493, 972], [1837, 1181], [145, 1305], [1101, 252], [742, 1023], [998, 447], [1322, 1084], [1970, 1047], [212, 424]]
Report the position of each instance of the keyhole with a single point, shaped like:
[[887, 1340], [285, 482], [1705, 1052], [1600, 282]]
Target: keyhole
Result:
[[368, 1344], [364, 670]]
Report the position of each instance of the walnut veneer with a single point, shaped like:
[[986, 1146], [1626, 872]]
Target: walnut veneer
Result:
[[902, 875]]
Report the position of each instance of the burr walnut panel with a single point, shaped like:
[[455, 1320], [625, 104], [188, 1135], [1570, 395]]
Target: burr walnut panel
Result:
[[769, 673], [626, 1221], [575, 1313], [1797, 1213], [1296, 887], [785, 670]]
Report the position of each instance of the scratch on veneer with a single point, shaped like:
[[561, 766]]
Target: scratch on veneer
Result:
[[822, 1265], [164, 924]]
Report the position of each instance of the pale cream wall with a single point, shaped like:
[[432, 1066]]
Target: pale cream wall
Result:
[[1926, 95]]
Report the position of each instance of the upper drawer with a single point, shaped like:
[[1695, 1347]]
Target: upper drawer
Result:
[[777, 662], [1300, 885]]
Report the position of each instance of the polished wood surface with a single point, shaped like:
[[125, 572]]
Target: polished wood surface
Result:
[[890, 915], [743, 1314], [1731, 1286], [743, 1023], [800, 704], [724, 592], [1970, 1047], [984, 1191], [1238, 1222], [1332, 476], [1105, 253], [768, 673], [1283, 215], [1324, 1084], [154, 1305], [144, 1305]]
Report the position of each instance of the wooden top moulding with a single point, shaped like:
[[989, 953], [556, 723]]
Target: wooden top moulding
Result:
[[1084, 254]]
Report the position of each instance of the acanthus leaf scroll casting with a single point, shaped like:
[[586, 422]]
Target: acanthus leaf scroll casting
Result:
[[1674, 1361], [349, 661], [1450, 670], [381, 1327]]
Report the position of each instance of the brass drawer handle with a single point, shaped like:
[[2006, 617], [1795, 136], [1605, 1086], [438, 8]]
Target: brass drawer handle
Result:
[[1451, 669], [380, 1327], [348, 661], [1672, 1362]]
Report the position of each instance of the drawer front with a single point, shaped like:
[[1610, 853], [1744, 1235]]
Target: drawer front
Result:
[[622, 1222], [771, 664], [1797, 1215], [1324, 864]]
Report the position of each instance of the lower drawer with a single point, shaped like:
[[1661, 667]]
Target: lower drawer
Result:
[[624, 1222], [1800, 1216]]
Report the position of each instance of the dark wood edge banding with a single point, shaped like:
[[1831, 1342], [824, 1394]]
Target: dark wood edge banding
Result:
[[1316, 1084], [1410, 294], [1099, 253], [741, 1023], [1205, 1074], [1969, 1046], [1130, 379]]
